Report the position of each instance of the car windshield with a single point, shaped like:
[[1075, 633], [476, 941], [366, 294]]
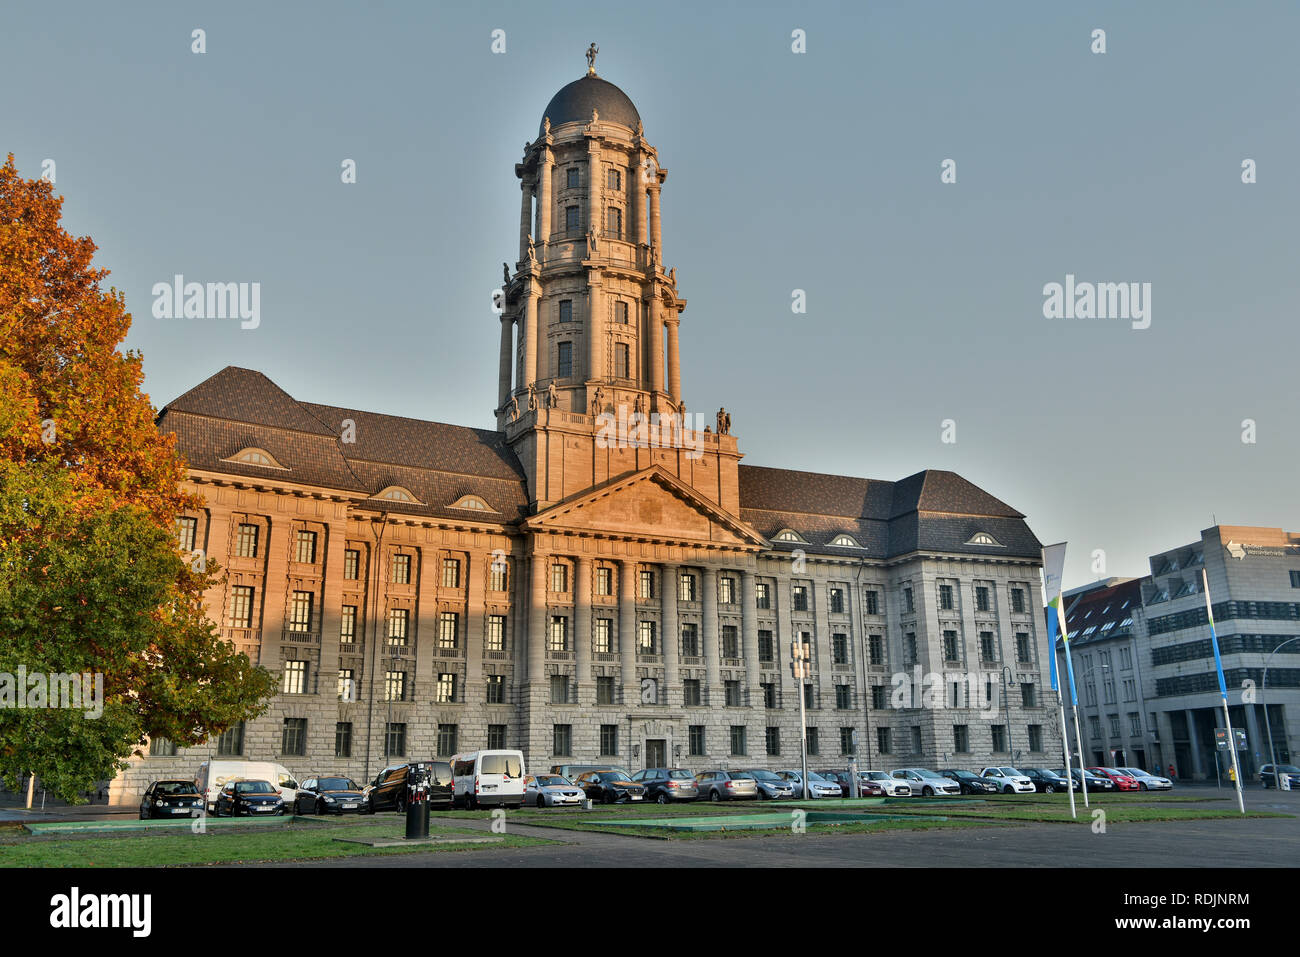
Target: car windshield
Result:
[[550, 781], [176, 787], [815, 778], [614, 776], [337, 784], [740, 775], [254, 787], [680, 775], [1011, 772], [1288, 769], [875, 775], [507, 764]]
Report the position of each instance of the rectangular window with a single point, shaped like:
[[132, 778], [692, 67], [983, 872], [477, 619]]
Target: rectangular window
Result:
[[1018, 600], [769, 695], [398, 621], [950, 650], [496, 736], [240, 614], [347, 685], [800, 595], [876, 649], [695, 740], [1114, 726], [622, 361], [645, 637], [496, 689], [231, 741], [446, 688], [573, 181], [559, 578], [448, 630], [843, 697], [558, 639], [559, 689], [730, 642], [645, 584], [726, 590], [294, 739], [999, 737], [615, 180], [773, 742], [686, 587], [945, 597], [812, 741], [343, 739], [961, 738], [351, 564], [737, 739], [300, 611], [766, 646], [690, 641], [916, 739], [494, 638], [909, 648], [187, 529], [246, 541], [348, 625], [620, 312], [882, 741], [395, 740], [879, 697], [1295, 579], [837, 601], [731, 689], [571, 222], [1022, 648], [566, 310], [450, 572], [162, 748], [604, 689], [840, 649], [562, 739], [873, 602], [564, 365], [808, 696], [447, 740], [1035, 737], [909, 602], [987, 651], [604, 580], [604, 630], [609, 739], [691, 692], [395, 686], [305, 548], [1028, 695], [981, 598], [846, 740], [295, 677], [763, 595]]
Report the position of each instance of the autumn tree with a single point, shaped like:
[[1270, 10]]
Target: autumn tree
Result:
[[91, 580]]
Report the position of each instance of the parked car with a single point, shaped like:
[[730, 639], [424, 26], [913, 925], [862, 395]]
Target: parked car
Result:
[[818, 786], [254, 798], [388, 791], [1289, 773], [1124, 782], [1009, 780], [1148, 781], [487, 778], [212, 776], [893, 786], [771, 786], [610, 787], [170, 799], [329, 795], [1095, 782], [665, 785], [970, 782], [1049, 782], [925, 782], [571, 771], [844, 778], [550, 790], [726, 786]]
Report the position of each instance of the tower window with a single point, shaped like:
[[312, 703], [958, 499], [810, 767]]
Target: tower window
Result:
[[620, 312], [571, 217], [614, 222], [622, 361], [615, 179], [566, 310], [565, 367], [573, 174]]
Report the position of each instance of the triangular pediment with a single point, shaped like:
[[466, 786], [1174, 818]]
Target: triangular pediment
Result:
[[651, 505]]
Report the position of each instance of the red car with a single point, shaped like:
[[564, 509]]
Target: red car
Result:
[[842, 778], [1124, 782]]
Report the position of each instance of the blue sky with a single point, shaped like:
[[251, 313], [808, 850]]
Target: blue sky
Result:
[[818, 171]]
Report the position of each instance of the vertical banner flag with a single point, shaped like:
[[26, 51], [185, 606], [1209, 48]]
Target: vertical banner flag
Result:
[[1053, 571]]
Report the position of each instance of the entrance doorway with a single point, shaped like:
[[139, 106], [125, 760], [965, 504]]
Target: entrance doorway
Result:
[[656, 753]]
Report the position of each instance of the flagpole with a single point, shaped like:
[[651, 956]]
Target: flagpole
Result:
[[1065, 744], [1074, 708], [1052, 572], [1223, 691]]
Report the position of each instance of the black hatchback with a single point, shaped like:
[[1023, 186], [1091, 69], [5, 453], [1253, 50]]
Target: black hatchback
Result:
[[253, 798], [388, 791], [329, 795], [1049, 782], [610, 787], [971, 783], [170, 799]]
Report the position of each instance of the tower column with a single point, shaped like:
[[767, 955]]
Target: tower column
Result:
[[582, 626], [595, 330], [627, 629], [749, 630], [537, 625], [525, 217], [530, 337], [669, 639], [507, 360], [656, 343], [674, 369], [593, 186], [637, 192], [656, 239], [544, 202], [709, 626]]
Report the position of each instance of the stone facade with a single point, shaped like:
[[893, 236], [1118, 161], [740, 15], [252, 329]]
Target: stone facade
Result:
[[553, 586]]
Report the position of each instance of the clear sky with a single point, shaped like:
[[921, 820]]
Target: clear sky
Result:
[[817, 171]]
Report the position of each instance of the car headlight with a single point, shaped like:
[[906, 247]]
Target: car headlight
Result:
[[157, 803], [328, 799]]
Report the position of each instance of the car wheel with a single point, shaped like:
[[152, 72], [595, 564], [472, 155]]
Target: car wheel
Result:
[[400, 805], [662, 798], [1049, 789], [1008, 790], [715, 796], [927, 791], [319, 809]]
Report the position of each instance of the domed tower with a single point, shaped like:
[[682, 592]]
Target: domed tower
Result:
[[590, 319]]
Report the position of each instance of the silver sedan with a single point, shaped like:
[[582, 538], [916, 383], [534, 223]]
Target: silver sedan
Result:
[[551, 790]]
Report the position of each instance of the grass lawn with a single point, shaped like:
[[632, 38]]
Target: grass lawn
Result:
[[295, 842], [866, 827]]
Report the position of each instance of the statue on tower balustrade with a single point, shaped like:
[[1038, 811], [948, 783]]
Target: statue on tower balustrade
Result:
[[552, 396], [591, 58], [593, 235], [532, 249], [514, 408], [505, 274], [532, 397], [596, 400]]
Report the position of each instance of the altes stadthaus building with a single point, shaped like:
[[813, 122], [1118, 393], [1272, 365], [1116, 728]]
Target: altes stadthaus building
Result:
[[583, 587]]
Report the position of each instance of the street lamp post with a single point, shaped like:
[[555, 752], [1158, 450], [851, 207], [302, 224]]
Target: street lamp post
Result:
[[1006, 702], [1268, 726]]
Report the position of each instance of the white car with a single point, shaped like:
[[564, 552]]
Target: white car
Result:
[[1010, 781], [893, 787], [925, 782], [1148, 781]]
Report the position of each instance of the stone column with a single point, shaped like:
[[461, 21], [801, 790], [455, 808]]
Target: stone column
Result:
[[582, 629], [507, 360], [709, 627], [537, 626], [594, 186], [674, 369], [531, 348], [672, 635], [545, 201], [636, 193], [595, 330], [749, 633], [823, 653], [525, 217], [656, 343], [655, 236], [627, 629]]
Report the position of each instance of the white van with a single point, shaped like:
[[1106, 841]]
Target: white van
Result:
[[213, 775], [484, 778]]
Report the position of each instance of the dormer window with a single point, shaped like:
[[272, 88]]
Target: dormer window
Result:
[[788, 535], [472, 502], [256, 456], [396, 493], [845, 541], [984, 538]]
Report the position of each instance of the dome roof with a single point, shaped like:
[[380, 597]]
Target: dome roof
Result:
[[575, 102]]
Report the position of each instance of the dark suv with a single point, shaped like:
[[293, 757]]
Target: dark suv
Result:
[[387, 792], [665, 785]]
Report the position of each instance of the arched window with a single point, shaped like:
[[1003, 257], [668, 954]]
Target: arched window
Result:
[[984, 538], [846, 541], [472, 502], [788, 535], [256, 456], [396, 493]]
